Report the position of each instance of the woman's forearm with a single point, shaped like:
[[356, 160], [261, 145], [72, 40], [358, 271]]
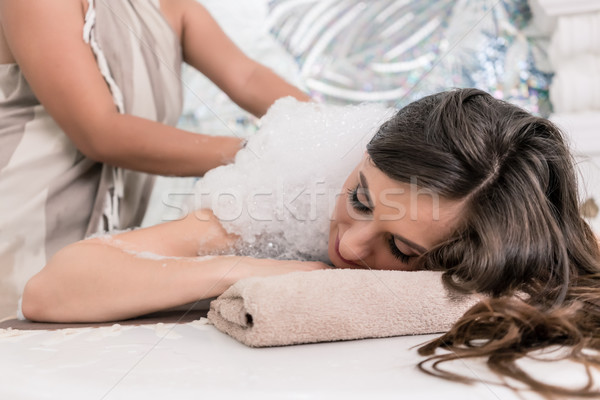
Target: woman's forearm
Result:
[[262, 88], [207, 48], [143, 145], [93, 281]]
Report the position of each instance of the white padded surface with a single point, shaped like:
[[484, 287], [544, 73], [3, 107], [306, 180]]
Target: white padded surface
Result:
[[195, 361]]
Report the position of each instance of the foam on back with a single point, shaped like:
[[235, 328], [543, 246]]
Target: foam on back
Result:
[[280, 192]]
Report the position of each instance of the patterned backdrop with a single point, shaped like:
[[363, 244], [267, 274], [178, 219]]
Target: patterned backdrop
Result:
[[396, 51], [350, 51]]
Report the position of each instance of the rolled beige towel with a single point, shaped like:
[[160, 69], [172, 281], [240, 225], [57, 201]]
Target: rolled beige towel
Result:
[[330, 305], [575, 86], [575, 35]]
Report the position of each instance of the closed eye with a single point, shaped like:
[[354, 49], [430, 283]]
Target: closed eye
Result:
[[356, 203], [396, 252], [365, 209]]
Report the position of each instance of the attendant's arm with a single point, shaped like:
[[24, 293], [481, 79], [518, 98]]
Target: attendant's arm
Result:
[[111, 279], [206, 47], [45, 38]]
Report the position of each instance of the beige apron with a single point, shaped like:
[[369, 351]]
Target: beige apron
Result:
[[52, 195]]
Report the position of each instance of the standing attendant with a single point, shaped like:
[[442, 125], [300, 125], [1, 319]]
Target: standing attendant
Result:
[[90, 92]]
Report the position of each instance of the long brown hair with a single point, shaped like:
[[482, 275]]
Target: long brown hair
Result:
[[521, 239]]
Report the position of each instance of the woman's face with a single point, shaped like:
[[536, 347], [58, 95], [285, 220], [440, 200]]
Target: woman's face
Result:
[[380, 223]]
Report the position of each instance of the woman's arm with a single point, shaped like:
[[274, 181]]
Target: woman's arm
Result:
[[106, 279], [206, 47], [45, 38]]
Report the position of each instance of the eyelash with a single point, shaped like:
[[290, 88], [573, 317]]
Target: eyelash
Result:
[[360, 207], [396, 251], [356, 204]]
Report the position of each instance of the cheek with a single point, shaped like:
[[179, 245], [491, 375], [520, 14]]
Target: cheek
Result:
[[392, 264], [385, 260], [336, 218], [340, 213]]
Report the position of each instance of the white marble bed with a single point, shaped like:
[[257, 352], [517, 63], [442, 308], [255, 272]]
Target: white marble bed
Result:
[[195, 361]]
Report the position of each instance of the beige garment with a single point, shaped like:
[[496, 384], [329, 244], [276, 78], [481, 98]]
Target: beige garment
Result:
[[330, 305], [140, 57], [52, 195]]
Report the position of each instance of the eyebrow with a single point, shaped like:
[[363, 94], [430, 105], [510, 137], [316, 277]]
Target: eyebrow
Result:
[[413, 245], [363, 183]]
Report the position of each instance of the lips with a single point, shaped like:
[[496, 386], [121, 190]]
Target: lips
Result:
[[337, 251]]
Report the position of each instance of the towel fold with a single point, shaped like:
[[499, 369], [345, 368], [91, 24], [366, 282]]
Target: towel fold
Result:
[[576, 85], [331, 305], [582, 130], [575, 35]]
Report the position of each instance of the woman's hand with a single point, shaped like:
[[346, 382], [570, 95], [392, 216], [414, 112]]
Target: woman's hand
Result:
[[45, 40], [113, 278], [248, 267]]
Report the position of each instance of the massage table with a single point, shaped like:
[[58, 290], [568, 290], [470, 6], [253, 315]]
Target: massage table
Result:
[[156, 358]]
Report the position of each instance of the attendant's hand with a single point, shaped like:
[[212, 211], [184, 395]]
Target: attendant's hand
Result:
[[231, 145]]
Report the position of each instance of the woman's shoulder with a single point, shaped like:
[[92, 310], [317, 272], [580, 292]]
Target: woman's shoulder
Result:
[[178, 12], [174, 11], [6, 56]]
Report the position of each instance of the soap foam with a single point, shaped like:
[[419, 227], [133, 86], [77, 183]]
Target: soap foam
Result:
[[280, 192]]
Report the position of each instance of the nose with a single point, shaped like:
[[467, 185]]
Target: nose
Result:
[[356, 243]]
